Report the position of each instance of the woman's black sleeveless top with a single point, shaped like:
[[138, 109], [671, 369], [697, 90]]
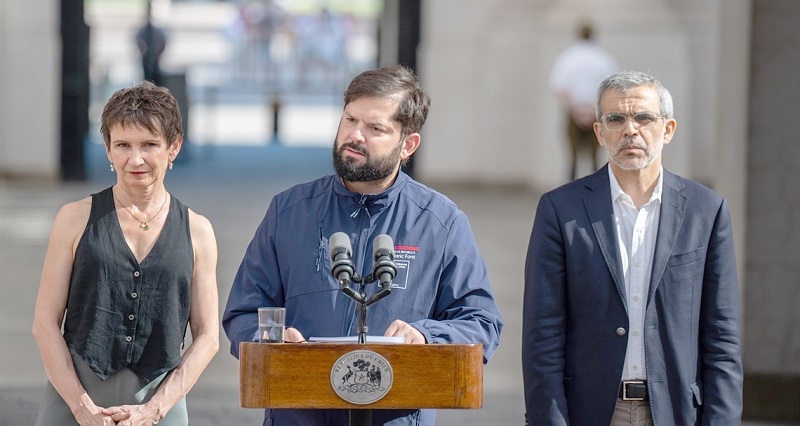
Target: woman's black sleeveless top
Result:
[[122, 313]]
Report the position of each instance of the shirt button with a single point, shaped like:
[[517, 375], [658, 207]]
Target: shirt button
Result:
[[635, 332], [635, 368], [136, 274], [134, 295], [637, 263], [128, 338], [620, 331], [130, 317], [635, 298]]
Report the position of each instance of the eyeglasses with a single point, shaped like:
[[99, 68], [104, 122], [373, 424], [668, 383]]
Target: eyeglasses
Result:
[[641, 120]]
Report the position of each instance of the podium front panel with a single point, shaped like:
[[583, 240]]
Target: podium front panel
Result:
[[298, 375]]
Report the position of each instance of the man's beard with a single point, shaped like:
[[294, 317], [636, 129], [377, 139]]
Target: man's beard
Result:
[[375, 168], [651, 153]]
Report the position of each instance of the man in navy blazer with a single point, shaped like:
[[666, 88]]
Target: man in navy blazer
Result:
[[631, 307]]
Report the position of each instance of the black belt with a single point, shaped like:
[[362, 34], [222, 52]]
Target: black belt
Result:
[[633, 390]]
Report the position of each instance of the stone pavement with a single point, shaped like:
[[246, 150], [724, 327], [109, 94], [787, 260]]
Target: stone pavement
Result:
[[232, 186]]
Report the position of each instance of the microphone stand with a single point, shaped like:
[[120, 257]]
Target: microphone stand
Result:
[[361, 300], [385, 270], [363, 417], [362, 311]]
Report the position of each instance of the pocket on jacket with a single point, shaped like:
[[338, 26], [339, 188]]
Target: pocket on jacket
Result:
[[697, 392], [687, 258]]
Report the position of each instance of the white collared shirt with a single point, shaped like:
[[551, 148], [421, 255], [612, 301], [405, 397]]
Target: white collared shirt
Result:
[[636, 239]]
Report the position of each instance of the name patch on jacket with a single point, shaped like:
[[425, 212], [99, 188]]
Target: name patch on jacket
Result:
[[404, 256]]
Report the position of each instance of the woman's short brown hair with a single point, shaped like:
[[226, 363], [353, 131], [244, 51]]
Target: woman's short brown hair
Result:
[[145, 105]]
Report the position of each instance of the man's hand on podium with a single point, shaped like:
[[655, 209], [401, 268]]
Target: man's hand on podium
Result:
[[293, 335], [409, 333]]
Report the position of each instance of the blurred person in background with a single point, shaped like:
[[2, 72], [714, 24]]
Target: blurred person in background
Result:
[[126, 270], [254, 31], [151, 41], [574, 77], [322, 51]]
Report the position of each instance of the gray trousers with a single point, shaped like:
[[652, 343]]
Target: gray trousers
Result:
[[121, 388], [632, 413]]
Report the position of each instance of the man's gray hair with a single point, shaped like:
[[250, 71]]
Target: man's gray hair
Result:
[[624, 81]]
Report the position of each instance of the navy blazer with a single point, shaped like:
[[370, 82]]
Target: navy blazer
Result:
[[572, 355]]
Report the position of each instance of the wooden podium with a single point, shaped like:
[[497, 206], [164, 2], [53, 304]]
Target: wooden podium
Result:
[[299, 375]]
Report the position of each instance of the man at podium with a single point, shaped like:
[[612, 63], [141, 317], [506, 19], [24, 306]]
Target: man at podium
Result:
[[440, 292]]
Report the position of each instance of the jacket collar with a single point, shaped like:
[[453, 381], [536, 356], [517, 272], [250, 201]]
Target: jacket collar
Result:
[[373, 203], [673, 210], [597, 203]]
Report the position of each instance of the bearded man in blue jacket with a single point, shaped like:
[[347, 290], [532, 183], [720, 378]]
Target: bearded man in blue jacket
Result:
[[441, 292]]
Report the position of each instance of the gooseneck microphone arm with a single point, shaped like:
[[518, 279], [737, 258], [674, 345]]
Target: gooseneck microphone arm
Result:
[[342, 269]]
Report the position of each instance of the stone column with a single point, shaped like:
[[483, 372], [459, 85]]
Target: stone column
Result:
[[772, 276]]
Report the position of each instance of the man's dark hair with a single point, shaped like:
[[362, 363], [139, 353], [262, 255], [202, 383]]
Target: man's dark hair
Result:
[[399, 83]]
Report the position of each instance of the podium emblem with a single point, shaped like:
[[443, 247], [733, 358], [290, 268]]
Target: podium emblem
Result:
[[361, 377]]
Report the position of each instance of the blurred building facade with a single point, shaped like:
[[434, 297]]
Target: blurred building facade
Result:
[[30, 73], [731, 66]]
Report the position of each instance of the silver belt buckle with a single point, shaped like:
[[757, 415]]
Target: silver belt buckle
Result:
[[625, 384]]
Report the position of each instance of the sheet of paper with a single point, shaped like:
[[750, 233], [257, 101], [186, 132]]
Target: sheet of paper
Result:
[[354, 339]]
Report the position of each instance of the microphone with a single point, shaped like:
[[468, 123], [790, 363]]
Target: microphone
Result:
[[383, 253], [342, 267], [340, 251], [385, 269]]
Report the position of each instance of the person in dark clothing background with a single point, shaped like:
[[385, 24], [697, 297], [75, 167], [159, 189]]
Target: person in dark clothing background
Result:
[[152, 41]]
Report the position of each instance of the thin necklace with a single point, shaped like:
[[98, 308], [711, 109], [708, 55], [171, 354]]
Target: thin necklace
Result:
[[142, 224]]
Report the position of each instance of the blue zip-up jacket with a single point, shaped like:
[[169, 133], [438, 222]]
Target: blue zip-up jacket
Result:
[[442, 287]]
